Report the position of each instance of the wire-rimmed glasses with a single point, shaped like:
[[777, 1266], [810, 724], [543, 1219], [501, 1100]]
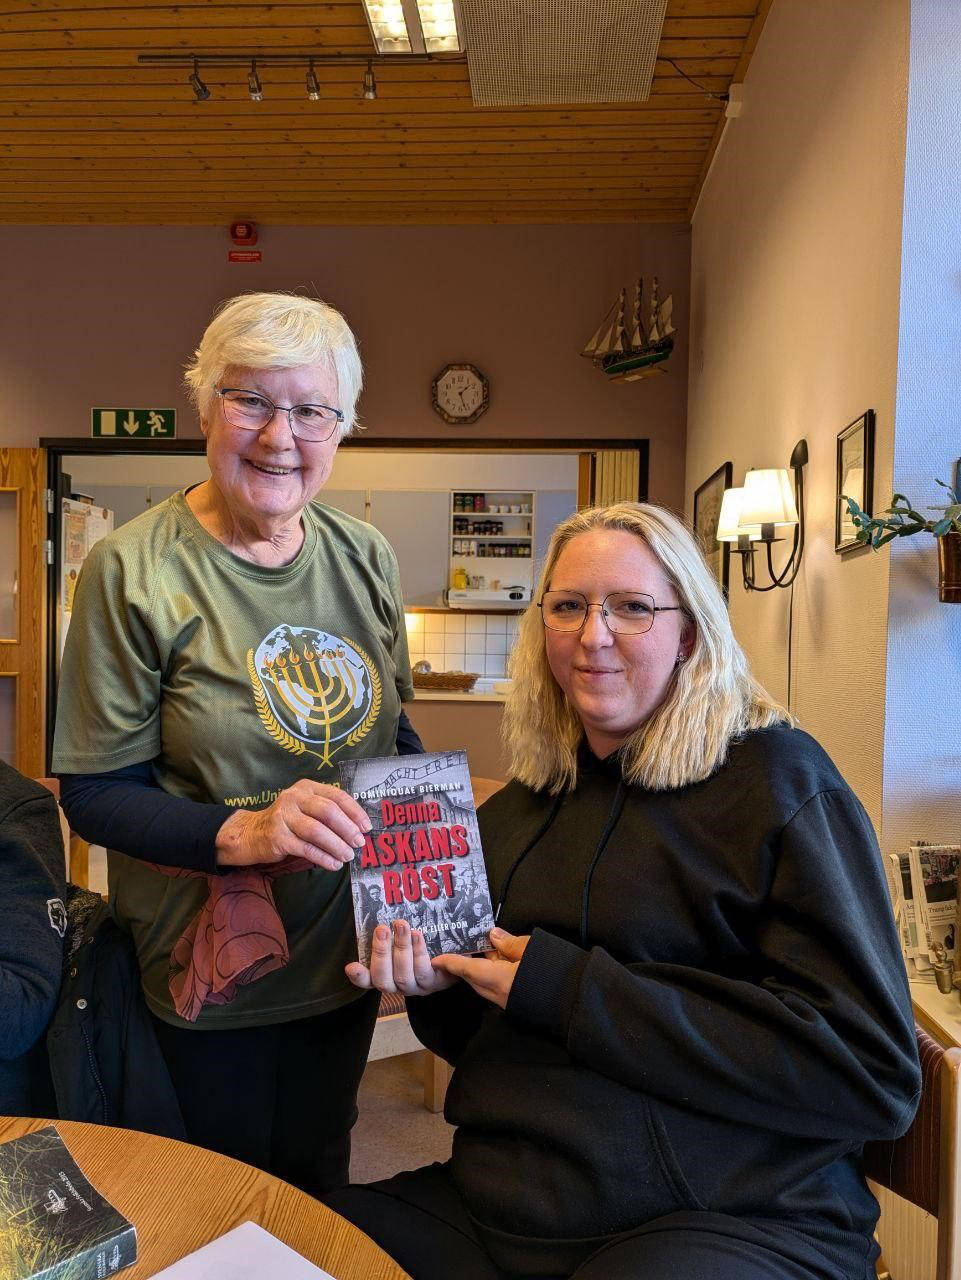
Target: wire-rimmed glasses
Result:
[[252, 411], [624, 612]]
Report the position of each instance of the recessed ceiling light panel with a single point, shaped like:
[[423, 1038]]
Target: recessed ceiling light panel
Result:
[[438, 22], [388, 26], [415, 26]]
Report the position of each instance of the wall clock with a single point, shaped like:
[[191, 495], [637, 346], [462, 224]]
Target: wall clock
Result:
[[460, 393]]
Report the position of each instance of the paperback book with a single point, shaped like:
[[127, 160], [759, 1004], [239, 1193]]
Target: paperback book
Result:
[[53, 1224], [422, 861]]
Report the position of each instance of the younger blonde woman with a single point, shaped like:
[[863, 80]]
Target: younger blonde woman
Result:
[[697, 1011]]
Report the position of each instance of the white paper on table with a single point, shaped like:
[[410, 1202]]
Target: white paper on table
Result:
[[246, 1253]]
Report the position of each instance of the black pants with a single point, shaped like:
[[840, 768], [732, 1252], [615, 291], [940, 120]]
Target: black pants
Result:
[[420, 1219], [280, 1097]]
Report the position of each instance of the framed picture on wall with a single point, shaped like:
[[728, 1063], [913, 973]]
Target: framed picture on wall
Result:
[[707, 512], [855, 478]]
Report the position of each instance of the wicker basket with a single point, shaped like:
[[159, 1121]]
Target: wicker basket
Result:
[[450, 681]]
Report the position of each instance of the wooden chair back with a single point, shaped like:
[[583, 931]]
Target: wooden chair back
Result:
[[924, 1164], [76, 849]]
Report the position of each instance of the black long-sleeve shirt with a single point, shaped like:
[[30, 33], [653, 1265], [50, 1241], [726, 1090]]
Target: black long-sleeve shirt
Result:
[[125, 809], [711, 1013]]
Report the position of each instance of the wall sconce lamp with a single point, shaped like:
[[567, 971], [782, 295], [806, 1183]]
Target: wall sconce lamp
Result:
[[754, 513]]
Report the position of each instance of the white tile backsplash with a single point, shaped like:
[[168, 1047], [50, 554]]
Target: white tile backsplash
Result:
[[463, 641]]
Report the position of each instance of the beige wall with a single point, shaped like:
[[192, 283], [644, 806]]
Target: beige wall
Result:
[[794, 297], [108, 315]]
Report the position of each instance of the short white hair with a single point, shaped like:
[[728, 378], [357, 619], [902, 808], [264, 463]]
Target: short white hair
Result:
[[275, 331]]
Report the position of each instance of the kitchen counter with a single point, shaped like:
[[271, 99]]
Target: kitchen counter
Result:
[[448, 721]]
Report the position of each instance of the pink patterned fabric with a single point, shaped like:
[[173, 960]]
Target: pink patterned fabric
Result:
[[235, 938]]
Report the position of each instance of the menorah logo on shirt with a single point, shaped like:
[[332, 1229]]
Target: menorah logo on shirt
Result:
[[313, 691]]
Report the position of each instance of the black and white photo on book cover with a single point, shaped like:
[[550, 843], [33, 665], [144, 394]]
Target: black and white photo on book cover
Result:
[[422, 861]]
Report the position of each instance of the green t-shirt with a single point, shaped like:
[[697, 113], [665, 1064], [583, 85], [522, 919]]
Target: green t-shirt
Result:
[[236, 680]]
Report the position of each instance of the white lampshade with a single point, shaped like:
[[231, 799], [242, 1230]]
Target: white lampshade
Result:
[[768, 499], [729, 528]]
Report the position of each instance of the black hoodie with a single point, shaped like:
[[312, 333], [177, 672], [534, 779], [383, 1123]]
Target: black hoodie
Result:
[[712, 1012]]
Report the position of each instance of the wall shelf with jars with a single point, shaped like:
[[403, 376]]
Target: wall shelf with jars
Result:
[[491, 548]]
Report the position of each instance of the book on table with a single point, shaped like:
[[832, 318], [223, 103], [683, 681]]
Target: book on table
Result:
[[53, 1223], [422, 861]]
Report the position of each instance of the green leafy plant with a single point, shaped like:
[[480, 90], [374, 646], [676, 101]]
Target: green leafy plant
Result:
[[901, 520]]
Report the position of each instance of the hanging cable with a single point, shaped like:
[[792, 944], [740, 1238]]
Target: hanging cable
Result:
[[721, 97], [790, 644]]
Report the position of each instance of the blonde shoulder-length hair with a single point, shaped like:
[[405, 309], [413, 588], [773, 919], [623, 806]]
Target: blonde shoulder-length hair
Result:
[[712, 698]]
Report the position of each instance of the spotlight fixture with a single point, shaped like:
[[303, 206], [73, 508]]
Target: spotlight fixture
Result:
[[370, 84], [752, 515], [194, 61], [201, 92], [313, 88], [254, 87]]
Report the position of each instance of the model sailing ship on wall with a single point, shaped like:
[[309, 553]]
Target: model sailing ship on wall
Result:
[[628, 354]]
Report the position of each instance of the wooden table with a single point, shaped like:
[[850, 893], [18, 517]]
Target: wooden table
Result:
[[938, 1014], [180, 1197]]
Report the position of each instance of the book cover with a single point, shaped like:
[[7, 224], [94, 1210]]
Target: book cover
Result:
[[422, 861], [53, 1224], [934, 874]]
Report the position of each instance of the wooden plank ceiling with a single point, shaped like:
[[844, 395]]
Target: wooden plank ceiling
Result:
[[89, 136]]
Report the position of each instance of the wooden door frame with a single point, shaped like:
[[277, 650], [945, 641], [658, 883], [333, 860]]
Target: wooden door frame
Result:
[[22, 656]]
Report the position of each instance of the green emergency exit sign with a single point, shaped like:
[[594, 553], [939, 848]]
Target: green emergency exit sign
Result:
[[129, 424]]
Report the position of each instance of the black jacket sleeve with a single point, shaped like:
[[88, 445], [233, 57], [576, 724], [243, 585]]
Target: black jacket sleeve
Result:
[[445, 1022], [817, 1041], [31, 938]]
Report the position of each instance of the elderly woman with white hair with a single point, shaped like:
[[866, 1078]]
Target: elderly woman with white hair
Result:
[[696, 1012], [226, 649]]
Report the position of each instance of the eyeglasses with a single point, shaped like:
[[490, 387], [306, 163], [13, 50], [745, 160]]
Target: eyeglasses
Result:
[[252, 412], [628, 613]]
